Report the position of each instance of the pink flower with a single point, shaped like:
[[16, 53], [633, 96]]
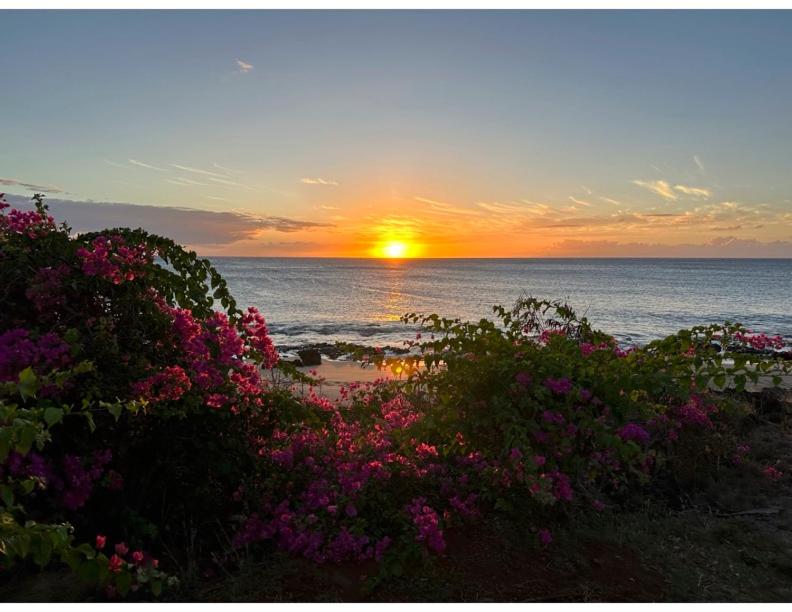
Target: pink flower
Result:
[[772, 473], [635, 433], [545, 537], [137, 557], [115, 564], [121, 549], [101, 541], [523, 379], [559, 386]]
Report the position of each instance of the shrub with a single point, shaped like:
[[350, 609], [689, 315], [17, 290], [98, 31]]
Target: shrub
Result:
[[535, 414], [126, 401]]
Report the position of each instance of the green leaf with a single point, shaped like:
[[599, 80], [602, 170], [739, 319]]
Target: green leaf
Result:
[[89, 571], [5, 443], [115, 410], [123, 582], [156, 588], [28, 383], [7, 495], [53, 415], [27, 436]]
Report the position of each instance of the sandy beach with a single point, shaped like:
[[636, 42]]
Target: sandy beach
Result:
[[335, 374]]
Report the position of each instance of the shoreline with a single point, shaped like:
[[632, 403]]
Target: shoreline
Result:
[[335, 374]]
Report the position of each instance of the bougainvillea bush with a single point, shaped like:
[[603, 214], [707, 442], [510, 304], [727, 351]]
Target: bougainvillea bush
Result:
[[126, 399], [137, 418], [534, 415]]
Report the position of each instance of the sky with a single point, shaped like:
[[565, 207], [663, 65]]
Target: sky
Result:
[[410, 133]]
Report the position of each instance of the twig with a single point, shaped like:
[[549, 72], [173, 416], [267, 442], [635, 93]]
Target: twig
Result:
[[755, 511]]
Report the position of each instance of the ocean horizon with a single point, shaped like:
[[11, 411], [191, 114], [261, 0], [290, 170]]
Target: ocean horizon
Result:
[[308, 300]]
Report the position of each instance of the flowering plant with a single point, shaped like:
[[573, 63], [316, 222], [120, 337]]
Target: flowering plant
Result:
[[122, 391]]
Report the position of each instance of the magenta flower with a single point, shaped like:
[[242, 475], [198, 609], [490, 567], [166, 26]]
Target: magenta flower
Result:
[[634, 433], [559, 386]]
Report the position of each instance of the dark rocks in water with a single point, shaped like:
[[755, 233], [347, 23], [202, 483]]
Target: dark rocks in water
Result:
[[310, 357], [339, 349], [295, 362], [785, 354]]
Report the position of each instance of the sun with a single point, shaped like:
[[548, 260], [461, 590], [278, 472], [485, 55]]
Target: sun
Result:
[[395, 249]]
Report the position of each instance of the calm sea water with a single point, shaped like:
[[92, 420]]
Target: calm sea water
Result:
[[361, 300]]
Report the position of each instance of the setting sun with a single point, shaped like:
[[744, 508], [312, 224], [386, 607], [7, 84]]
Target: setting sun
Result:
[[394, 249]]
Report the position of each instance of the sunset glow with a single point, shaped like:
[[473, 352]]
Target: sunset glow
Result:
[[498, 158], [394, 250]]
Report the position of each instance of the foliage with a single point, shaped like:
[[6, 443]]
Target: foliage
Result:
[[535, 414], [122, 393]]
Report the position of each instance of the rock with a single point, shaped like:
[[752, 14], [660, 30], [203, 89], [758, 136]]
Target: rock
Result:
[[310, 357]]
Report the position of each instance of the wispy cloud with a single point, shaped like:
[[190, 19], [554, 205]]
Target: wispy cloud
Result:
[[223, 181], [115, 164], [699, 164], [244, 67], [444, 208], [580, 202], [180, 180], [196, 170], [227, 170], [610, 200], [661, 188], [698, 192], [319, 181], [31, 186], [141, 164]]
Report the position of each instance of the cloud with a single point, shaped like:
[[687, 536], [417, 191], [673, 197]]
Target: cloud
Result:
[[185, 182], [189, 226], [30, 186], [698, 192], [319, 181], [661, 188], [196, 170], [444, 208], [501, 208], [244, 67], [579, 202], [699, 165], [227, 170], [141, 164], [610, 200], [717, 247], [223, 181]]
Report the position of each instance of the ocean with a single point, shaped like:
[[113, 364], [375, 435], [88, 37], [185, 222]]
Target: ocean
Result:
[[310, 300]]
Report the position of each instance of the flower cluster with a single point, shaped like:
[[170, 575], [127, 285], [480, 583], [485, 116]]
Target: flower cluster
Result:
[[111, 258], [32, 224], [71, 480], [214, 360], [168, 385], [46, 289], [20, 350], [759, 341]]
